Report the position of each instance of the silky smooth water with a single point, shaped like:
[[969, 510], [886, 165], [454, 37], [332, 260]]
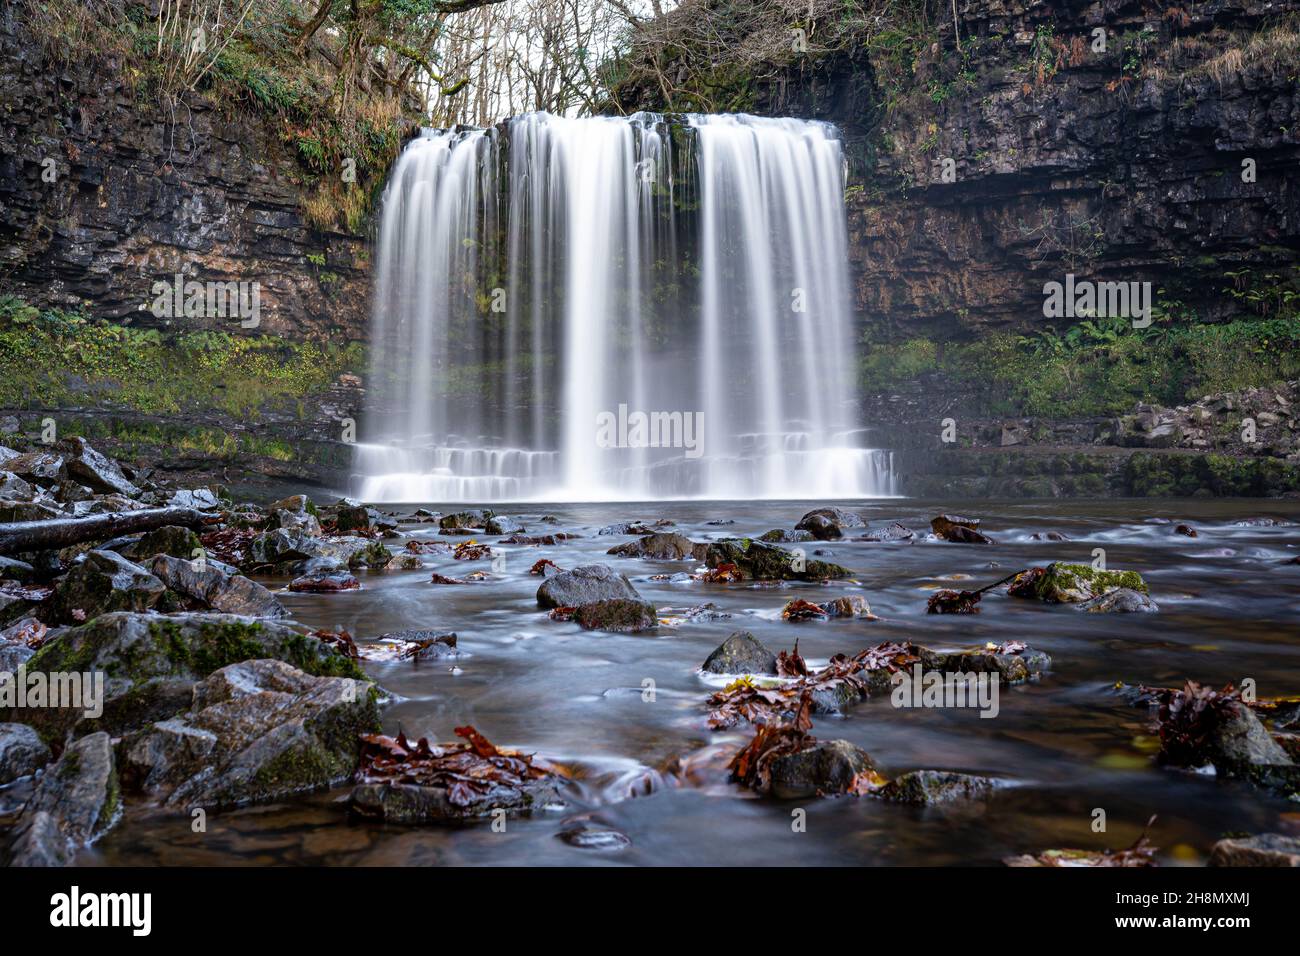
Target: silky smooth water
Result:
[[530, 282], [1064, 745]]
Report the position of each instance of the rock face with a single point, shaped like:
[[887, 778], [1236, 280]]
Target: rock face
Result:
[[584, 585], [257, 730], [766, 562], [215, 590], [150, 663], [138, 200], [741, 653], [77, 800], [660, 546]]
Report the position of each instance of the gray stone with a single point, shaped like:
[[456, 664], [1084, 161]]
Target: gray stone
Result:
[[257, 730], [584, 585], [216, 590], [741, 653], [22, 752]]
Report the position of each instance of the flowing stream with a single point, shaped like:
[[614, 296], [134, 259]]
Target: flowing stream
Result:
[[1062, 745], [616, 309]]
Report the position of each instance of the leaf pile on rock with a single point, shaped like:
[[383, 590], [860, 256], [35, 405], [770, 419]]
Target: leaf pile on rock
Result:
[[539, 567], [467, 771], [751, 766], [471, 551], [801, 610], [722, 574], [745, 701], [953, 602], [1186, 720]]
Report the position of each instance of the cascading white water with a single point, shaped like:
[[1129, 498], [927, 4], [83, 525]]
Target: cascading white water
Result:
[[584, 309]]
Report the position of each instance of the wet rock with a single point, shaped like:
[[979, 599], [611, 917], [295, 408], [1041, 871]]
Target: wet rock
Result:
[[1122, 600], [765, 562], [503, 524], [371, 555], [406, 561], [584, 585], [1060, 583], [411, 804], [1266, 849], [83, 464], [13, 488], [76, 801], [173, 540], [106, 504], [741, 653], [851, 605], [1186, 530], [295, 513], [930, 787], [351, 515], [780, 535], [151, 662], [200, 498], [104, 581], [828, 767], [592, 836], [22, 752], [720, 522], [1048, 536], [1012, 663], [216, 590], [1238, 741], [462, 520], [27, 511], [890, 532], [12, 569], [257, 730], [43, 468], [958, 529], [828, 524], [660, 546], [429, 645], [324, 582], [618, 614], [635, 527]]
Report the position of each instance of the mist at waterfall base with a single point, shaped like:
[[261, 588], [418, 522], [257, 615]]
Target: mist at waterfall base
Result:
[[615, 309]]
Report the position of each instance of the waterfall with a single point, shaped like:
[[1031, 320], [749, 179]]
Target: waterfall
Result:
[[616, 309]]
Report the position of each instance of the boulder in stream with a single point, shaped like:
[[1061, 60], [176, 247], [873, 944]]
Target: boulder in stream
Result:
[[754, 560], [214, 589], [617, 614], [584, 585], [1061, 583], [828, 524], [660, 546], [76, 801], [256, 730], [741, 653], [1266, 849]]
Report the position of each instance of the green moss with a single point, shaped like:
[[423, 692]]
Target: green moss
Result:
[[1093, 368], [56, 358]]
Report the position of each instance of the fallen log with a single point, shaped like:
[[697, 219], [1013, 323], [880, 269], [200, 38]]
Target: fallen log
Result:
[[21, 536]]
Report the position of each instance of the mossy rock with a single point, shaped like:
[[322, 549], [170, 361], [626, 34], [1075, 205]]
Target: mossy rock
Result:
[[759, 561], [150, 662], [1060, 583]]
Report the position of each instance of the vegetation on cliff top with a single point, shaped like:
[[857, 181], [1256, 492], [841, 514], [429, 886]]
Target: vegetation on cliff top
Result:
[[337, 82]]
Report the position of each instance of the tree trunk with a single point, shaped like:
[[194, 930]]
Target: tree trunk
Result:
[[21, 536]]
